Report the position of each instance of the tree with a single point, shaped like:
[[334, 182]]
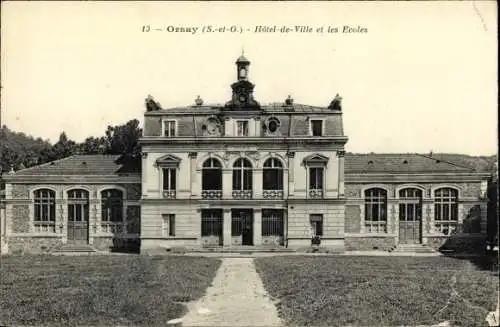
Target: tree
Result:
[[63, 148], [124, 139]]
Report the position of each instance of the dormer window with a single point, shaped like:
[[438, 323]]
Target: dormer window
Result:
[[242, 128], [169, 128], [316, 127], [273, 125]]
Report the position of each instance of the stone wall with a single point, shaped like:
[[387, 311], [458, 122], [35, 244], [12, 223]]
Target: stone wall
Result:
[[34, 245], [369, 243], [20, 218], [352, 219]]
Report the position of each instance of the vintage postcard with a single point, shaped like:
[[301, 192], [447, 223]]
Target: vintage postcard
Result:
[[249, 163]]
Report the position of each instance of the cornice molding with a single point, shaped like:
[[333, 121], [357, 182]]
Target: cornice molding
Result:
[[72, 179], [150, 140]]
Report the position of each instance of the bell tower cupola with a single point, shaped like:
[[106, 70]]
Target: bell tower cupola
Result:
[[242, 98], [242, 65]]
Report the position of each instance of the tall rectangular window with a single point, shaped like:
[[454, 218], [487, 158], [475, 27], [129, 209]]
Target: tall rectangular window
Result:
[[316, 127], [316, 178], [242, 127], [169, 179], [169, 128], [316, 224], [169, 225]]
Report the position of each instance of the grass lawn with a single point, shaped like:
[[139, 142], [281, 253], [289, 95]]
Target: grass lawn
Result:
[[100, 290], [378, 291]]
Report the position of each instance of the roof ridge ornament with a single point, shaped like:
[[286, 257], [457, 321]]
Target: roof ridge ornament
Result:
[[198, 101], [336, 103], [151, 104], [289, 100]]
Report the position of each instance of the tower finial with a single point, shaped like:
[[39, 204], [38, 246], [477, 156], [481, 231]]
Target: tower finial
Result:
[[243, 50]]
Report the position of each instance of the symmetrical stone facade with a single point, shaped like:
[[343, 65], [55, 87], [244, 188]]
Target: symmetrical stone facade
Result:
[[245, 174]]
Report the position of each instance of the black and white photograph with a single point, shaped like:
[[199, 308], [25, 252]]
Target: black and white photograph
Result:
[[232, 163]]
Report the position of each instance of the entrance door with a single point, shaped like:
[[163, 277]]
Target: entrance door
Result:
[[243, 225], [410, 216], [78, 217]]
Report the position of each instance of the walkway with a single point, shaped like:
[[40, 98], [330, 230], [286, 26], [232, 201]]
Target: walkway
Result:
[[236, 298]]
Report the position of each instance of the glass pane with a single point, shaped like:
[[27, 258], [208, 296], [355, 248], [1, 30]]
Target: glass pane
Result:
[[312, 178], [78, 211], [166, 179], [319, 178], [316, 127], [37, 212], [45, 212], [172, 225], [247, 183], [173, 179], [402, 215], [237, 179]]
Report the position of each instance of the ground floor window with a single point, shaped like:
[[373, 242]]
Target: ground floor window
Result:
[[316, 224], [376, 210], [169, 225], [272, 222], [45, 210], [211, 222]]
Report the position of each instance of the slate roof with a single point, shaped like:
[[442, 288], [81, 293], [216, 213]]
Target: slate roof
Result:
[[86, 165], [399, 163], [271, 107], [354, 163]]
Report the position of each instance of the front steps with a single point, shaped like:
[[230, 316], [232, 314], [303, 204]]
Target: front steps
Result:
[[75, 249], [414, 248], [238, 249]]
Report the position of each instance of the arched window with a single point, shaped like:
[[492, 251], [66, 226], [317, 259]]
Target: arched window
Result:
[[112, 205], [272, 178], [446, 210], [242, 178], [44, 210], [211, 179], [376, 210]]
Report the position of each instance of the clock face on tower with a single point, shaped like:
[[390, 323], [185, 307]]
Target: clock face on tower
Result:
[[242, 97], [243, 73]]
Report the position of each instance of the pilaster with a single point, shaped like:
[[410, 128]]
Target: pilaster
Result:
[[257, 183], [341, 186], [226, 227], [194, 172], [257, 226], [227, 183], [291, 174]]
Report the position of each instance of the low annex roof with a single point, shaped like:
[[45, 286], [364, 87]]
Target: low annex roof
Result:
[[399, 163], [117, 165]]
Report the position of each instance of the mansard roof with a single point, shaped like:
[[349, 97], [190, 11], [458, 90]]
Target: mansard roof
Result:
[[400, 163], [274, 107], [118, 165]]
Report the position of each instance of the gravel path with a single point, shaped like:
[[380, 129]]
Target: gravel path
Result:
[[236, 298]]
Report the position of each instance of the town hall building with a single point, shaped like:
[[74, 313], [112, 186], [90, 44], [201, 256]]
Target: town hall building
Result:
[[244, 174]]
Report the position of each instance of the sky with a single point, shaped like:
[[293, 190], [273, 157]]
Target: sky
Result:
[[416, 77]]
